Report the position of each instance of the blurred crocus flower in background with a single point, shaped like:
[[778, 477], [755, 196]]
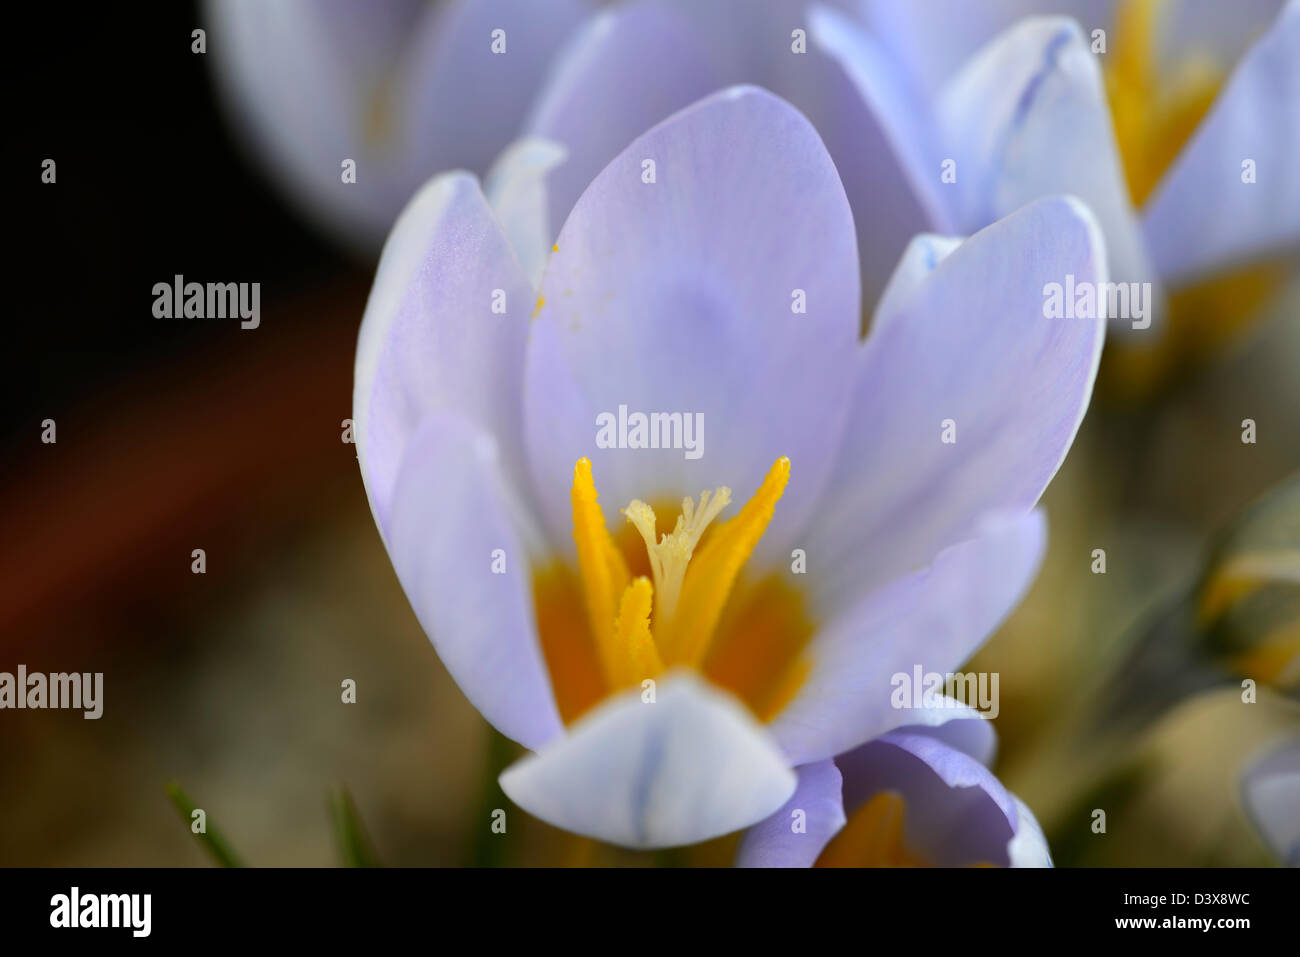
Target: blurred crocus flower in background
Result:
[[1176, 122], [916, 796], [668, 690], [1270, 790], [402, 88]]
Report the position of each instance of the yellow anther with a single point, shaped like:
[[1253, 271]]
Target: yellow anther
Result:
[[632, 657], [1155, 111], [604, 573]]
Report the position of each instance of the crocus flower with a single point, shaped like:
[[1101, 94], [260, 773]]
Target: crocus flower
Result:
[[916, 796], [402, 88], [670, 670], [1270, 789]]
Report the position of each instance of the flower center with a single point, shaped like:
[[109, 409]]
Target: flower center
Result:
[[872, 837], [643, 601]]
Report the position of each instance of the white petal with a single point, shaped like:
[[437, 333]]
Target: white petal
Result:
[[691, 766], [1029, 847], [516, 187]]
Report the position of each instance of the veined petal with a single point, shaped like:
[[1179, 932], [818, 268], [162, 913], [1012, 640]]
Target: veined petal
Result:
[[934, 619], [458, 548], [681, 296], [690, 766], [796, 834], [431, 338], [972, 346], [1027, 117], [1203, 215]]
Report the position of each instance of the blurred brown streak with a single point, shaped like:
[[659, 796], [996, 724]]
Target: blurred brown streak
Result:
[[203, 452]]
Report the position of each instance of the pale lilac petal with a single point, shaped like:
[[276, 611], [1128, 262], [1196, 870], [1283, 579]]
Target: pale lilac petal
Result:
[[749, 45], [687, 767], [1029, 847], [934, 38], [796, 835], [610, 85], [1270, 789], [955, 811], [920, 258], [516, 187], [877, 131], [1202, 217], [679, 296], [453, 519], [957, 725], [430, 340], [973, 346], [1027, 117], [934, 618], [875, 126]]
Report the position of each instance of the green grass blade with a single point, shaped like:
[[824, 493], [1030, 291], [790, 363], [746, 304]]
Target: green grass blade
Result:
[[211, 839]]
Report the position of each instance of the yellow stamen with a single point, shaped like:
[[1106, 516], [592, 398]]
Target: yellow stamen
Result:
[[684, 638], [604, 574], [873, 837], [612, 646], [670, 556], [758, 648], [1154, 115], [632, 657]]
